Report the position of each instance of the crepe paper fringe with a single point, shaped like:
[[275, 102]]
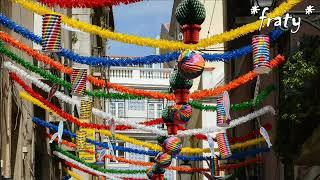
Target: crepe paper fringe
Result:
[[163, 44], [135, 92], [242, 164], [234, 123], [86, 3], [151, 59]]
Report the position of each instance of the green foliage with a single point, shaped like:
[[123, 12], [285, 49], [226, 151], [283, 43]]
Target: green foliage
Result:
[[299, 110]]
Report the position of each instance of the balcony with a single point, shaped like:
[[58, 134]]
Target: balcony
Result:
[[137, 76]]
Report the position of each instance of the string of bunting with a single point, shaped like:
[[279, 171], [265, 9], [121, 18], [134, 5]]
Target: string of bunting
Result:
[[108, 61], [140, 151], [130, 92], [85, 3], [163, 44]]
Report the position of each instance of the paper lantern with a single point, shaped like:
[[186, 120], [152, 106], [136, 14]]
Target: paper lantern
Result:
[[191, 64], [179, 82], [78, 81], [223, 107], [85, 110], [223, 145], [261, 54], [172, 145], [163, 160], [190, 12], [51, 32], [182, 113]]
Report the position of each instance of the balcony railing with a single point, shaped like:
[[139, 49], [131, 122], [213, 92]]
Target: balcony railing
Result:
[[136, 73]]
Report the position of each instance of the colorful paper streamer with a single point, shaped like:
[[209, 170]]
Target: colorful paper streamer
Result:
[[151, 59], [163, 44], [86, 3]]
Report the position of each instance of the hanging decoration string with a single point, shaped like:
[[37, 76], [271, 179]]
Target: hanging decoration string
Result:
[[154, 146], [234, 123], [142, 163], [101, 83], [110, 95], [72, 174], [151, 59], [85, 3], [163, 44], [237, 107], [242, 164], [139, 151], [248, 136]]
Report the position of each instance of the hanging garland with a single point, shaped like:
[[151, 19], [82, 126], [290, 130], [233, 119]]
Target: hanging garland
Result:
[[131, 150], [250, 135], [163, 44], [85, 3], [101, 83], [236, 107], [242, 164], [156, 95], [72, 174], [142, 163], [233, 123], [108, 61], [157, 147]]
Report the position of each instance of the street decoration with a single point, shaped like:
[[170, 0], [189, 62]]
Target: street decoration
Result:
[[51, 32], [190, 65], [162, 44], [127, 61], [85, 3], [261, 54]]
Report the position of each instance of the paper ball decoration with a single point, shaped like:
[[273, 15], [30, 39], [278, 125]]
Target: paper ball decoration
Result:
[[182, 113], [161, 139], [223, 145], [179, 82], [191, 64], [190, 12], [168, 115], [172, 145], [163, 160]]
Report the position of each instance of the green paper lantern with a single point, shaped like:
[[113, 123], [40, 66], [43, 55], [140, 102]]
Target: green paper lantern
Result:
[[179, 82], [190, 12]]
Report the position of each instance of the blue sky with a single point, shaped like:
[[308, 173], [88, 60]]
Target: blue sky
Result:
[[142, 19]]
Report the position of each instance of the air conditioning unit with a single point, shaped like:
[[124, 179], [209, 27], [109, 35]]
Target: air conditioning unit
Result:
[[180, 36]]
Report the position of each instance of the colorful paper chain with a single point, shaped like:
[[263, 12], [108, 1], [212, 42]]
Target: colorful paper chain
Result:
[[108, 61], [243, 154], [156, 95], [163, 44], [86, 3]]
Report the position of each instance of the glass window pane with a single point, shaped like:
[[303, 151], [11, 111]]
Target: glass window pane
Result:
[[121, 109], [159, 110], [151, 113], [113, 109]]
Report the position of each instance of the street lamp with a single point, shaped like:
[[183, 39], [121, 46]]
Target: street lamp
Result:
[[263, 3], [185, 175]]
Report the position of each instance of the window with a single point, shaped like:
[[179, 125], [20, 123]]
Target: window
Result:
[[117, 109], [136, 105], [155, 110]]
